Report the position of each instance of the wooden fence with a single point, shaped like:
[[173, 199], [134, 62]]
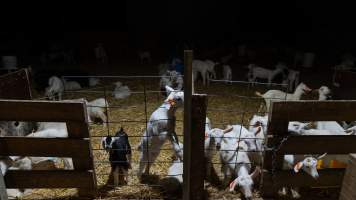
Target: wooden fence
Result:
[[77, 146], [280, 143]]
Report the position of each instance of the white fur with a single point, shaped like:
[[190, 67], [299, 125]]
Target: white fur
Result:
[[203, 68], [172, 79], [121, 91], [279, 95], [52, 130], [263, 73], [160, 127], [97, 109], [55, 88]]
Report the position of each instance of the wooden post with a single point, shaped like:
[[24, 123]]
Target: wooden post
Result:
[[3, 193], [194, 125], [348, 186]]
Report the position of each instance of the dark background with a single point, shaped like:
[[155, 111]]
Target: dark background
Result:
[[327, 28]]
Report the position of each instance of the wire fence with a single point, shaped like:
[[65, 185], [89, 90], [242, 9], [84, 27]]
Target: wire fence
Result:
[[229, 103]]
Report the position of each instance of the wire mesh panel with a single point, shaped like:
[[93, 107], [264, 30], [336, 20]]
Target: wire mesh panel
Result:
[[229, 103], [133, 114]]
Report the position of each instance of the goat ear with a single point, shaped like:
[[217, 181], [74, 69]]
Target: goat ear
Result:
[[228, 129], [298, 166], [321, 156], [232, 185], [256, 173]]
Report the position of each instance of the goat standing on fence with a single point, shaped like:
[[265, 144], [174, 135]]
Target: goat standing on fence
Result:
[[160, 127], [119, 150]]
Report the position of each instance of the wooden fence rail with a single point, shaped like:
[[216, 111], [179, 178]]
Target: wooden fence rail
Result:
[[285, 111], [77, 146]]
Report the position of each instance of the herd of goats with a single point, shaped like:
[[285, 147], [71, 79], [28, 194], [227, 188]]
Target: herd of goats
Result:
[[239, 148]]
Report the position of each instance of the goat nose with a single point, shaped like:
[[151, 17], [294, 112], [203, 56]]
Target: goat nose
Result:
[[316, 176]]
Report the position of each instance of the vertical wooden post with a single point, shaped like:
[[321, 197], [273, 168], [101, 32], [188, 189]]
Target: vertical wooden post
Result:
[[194, 125], [3, 193]]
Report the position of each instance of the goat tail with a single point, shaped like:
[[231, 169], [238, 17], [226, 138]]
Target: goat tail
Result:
[[258, 94]]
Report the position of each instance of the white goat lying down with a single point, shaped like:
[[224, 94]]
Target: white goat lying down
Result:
[[52, 130], [160, 127], [204, 68], [121, 91], [263, 73], [279, 95]]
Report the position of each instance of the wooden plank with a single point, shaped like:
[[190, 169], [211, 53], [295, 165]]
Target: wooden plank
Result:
[[196, 159], [41, 111], [349, 183], [48, 179], [327, 178], [318, 144], [268, 190], [77, 130], [15, 85], [44, 147], [188, 90], [275, 126], [337, 110], [3, 193], [194, 125]]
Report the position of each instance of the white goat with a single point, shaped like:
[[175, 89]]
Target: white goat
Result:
[[121, 91], [160, 127], [203, 68], [97, 109], [172, 79], [263, 73], [56, 87], [236, 161], [227, 72], [52, 130], [71, 85], [306, 163], [279, 95]]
